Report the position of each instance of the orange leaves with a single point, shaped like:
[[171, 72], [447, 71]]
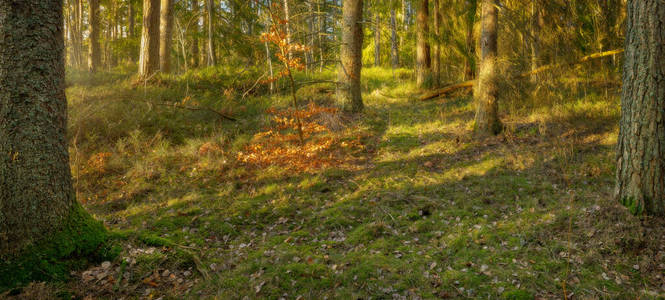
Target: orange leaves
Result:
[[278, 36], [99, 161], [279, 145]]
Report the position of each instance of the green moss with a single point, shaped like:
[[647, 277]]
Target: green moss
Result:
[[517, 295], [81, 240]]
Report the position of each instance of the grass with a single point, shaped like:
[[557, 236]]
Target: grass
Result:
[[428, 212]]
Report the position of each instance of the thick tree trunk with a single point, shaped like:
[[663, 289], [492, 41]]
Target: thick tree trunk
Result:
[[166, 35], [640, 183], [149, 60], [394, 49], [436, 61], [348, 91], [36, 194], [212, 55], [486, 92], [423, 59], [94, 55], [377, 41]]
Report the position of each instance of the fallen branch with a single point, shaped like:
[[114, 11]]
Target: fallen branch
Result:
[[469, 84]]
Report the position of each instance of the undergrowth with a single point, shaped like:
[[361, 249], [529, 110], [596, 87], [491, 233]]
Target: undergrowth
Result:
[[425, 211]]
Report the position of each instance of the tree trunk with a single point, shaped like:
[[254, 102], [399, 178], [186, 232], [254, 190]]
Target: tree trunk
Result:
[[394, 49], [287, 18], [195, 35], [470, 64], [94, 57], [486, 92], [166, 35], [436, 62], [37, 200], [423, 59], [131, 16], [640, 183], [535, 31], [322, 32], [348, 91], [212, 55], [377, 41], [149, 60]]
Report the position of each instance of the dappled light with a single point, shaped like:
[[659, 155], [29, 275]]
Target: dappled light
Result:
[[332, 149]]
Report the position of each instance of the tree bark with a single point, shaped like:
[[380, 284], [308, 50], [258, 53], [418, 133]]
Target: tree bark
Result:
[[377, 41], [166, 35], [94, 55], [436, 62], [394, 49], [195, 34], [36, 193], [470, 64], [349, 90], [640, 183], [423, 59], [287, 18], [149, 60], [486, 92], [212, 55], [131, 29]]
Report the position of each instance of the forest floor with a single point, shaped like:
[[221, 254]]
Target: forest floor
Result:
[[414, 208]]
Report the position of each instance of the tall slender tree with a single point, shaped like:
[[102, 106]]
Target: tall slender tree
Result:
[[196, 29], [40, 220], [349, 90], [436, 60], [423, 58], [640, 183], [149, 60], [486, 90], [94, 55], [211, 54], [166, 35], [394, 47], [377, 40]]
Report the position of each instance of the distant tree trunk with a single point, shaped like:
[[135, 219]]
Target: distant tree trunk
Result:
[[131, 29], [212, 55], [149, 60], [287, 18], [37, 199], [486, 92], [195, 35], [470, 64], [535, 31], [640, 183], [322, 32], [423, 59], [377, 41], [349, 90], [94, 58], [436, 62], [166, 35], [394, 49]]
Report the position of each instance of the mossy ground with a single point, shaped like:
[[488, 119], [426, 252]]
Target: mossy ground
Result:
[[80, 241], [427, 212]]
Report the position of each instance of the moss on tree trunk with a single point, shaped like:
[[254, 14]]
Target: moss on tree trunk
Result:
[[40, 221]]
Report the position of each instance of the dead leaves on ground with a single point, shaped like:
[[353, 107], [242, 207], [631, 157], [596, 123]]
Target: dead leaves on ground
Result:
[[279, 144]]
